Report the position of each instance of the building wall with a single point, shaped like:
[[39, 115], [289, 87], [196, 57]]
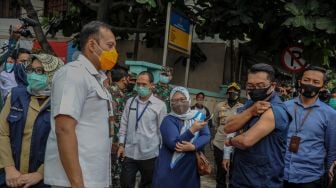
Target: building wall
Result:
[[206, 76]]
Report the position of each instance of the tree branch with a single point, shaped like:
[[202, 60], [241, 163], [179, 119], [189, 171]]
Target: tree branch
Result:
[[102, 10]]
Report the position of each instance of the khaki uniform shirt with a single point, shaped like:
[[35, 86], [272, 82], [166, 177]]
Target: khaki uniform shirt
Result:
[[221, 114], [6, 157]]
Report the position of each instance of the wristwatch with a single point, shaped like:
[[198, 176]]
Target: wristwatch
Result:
[[230, 141]]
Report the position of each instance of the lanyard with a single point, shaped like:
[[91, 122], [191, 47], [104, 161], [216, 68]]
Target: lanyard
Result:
[[299, 128], [141, 114]]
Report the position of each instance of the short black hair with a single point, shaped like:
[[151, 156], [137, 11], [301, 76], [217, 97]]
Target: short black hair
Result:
[[118, 74], [262, 67], [91, 29], [17, 52], [200, 93], [149, 74], [319, 69]]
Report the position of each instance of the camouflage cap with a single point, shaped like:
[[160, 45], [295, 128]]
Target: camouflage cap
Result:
[[132, 75], [234, 85], [167, 70]]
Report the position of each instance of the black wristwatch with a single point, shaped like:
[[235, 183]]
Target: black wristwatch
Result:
[[230, 141]]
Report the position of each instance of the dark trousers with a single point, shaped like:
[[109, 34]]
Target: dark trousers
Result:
[[220, 173], [315, 184], [130, 169]]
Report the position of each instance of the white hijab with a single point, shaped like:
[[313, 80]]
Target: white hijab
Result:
[[188, 119], [190, 114]]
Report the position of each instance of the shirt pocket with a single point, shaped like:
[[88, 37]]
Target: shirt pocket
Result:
[[14, 117]]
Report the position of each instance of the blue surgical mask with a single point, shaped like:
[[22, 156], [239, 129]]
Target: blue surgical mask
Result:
[[142, 91], [164, 79], [37, 82], [332, 103], [9, 67]]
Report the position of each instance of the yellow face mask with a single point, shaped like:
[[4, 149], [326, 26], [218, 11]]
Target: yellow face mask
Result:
[[108, 59]]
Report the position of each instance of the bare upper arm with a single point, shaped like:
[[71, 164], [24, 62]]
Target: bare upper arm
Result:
[[64, 123], [263, 127]]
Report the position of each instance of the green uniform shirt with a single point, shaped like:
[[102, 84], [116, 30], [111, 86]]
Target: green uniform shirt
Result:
[[162, 91]]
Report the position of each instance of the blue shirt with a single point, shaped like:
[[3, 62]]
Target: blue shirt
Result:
[[317, 145], [262, 164]]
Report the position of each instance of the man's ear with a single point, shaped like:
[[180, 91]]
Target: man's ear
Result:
[[91, 45]]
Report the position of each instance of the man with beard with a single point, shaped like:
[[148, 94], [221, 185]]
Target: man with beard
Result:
[[223, 111], [311, 140], [262, 122]]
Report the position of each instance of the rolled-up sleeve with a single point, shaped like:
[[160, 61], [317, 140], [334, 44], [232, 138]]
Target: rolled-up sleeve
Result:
[[228, 149], [6, 158], [69, 92]]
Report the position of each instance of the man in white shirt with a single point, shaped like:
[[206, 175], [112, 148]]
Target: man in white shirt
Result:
[[139, 132], [78, 147]]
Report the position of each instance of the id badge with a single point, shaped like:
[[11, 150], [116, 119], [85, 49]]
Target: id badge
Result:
[[294, 144]]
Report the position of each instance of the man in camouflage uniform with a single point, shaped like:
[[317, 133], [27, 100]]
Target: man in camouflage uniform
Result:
[[162, 88], [223, 111], [129, 90], [120, 82]]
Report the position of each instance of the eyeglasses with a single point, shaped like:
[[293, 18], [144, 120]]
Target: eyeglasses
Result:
[[251, 87], [37, 70], [181, 100]]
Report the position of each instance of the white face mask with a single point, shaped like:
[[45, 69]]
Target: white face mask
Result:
[[200, 103]]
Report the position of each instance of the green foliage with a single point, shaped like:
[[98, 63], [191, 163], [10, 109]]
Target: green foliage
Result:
[[152, 3], [308, 15], [272, 25], [267, 26]]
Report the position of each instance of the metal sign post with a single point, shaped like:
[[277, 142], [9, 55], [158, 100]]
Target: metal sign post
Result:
[[165, 47], [186, 79], [178, 37]]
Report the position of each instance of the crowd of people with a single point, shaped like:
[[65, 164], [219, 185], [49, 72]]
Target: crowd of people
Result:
[[91, 123]]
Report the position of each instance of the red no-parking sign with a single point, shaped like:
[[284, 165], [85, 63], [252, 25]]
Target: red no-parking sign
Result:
[[292, 59]]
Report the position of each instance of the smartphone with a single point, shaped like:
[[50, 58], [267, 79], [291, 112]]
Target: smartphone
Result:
[[209, 117]]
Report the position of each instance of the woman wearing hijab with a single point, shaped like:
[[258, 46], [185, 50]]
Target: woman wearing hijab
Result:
[[183, 132], [25, 125]]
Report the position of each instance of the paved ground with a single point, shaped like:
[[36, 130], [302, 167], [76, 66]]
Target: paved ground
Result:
[[210, 180]]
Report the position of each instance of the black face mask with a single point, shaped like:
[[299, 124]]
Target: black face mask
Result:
[[309, 91], [259, 94], [324, 96], [232, 96], [130, 87]]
